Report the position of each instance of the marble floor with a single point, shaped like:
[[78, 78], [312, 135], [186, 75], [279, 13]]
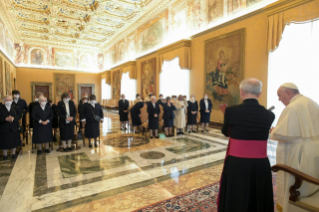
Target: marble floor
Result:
[[125, 172]]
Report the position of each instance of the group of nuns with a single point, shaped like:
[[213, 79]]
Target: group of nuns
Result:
[[45, 116], [169, 108]]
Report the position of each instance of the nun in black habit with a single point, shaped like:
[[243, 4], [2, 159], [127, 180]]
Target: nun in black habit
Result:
[[123, 112], [10, 115], [92, 117], [192, 114], [205, 110], [135, 115], [67, 114], [153, 110], [169, 116], [42, 126]]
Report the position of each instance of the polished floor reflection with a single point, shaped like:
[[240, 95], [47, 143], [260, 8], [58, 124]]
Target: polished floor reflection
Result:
[[128, 167]]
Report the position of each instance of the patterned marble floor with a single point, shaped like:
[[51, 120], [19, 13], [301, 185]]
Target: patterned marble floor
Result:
[[126, 172]]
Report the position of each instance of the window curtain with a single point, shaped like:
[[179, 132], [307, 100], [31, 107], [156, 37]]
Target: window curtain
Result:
[[174, 80], [128, 86], [131, 68], [181, 50], [285, 12], [295, 61], [105, 90]]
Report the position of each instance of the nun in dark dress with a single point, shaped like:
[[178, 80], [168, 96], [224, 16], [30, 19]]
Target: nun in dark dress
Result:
[[205, 110], [55, 121], [80, 111], [153, 111], [168, 116], [192, 109], [10, 115], [123, 112], [67, 114], [92, 116], [135, 115], [161, 100], [42, 126]]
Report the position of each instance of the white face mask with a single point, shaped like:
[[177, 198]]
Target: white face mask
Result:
[[8, 103], [16, 96], [138, 97], [35, 100], [93, 102], [85, 101], [205, 97], [66, 100], [43, 104], [193, 98]]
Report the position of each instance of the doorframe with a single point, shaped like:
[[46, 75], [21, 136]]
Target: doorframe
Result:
[[80, 85], [33, 84]]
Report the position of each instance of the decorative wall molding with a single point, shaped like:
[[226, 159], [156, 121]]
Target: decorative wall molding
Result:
[[283, 5]]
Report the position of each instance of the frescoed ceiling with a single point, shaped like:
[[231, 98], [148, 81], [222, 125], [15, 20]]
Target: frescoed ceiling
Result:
[[81, 22]]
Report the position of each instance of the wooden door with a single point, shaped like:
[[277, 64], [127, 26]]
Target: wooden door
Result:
[[87, 90], [44, 89]]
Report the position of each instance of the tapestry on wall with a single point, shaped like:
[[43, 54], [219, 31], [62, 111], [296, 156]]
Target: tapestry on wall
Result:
[[224, 64], [64, 83], [117, 84], [148, 77], [7, 79], [1, 78]]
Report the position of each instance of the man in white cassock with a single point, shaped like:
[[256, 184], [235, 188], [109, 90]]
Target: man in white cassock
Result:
[[180, 114], [297, 133]]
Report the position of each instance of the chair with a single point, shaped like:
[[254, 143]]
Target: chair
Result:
[[27, 125], [296, 204], [160, 118]]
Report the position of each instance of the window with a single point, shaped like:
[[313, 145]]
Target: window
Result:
[[295, 61], [106, 90], [173, 79], [128, 86]]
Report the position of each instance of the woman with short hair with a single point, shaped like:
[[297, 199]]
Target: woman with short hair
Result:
[[10, 115], [169, 116], [67, 114], [42, 126], [153, 110]]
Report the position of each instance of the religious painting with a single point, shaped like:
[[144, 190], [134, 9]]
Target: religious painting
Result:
[[7, 79], [100, 62], [152, 35], [37, 57], [148, 77], [215, 10], [235, 6], [64, 83], [85, 61], [224, 63], [63, 58], [195, 15], [116, 84], [20, 56], [1, 78]]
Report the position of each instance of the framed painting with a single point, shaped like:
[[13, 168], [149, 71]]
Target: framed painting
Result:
[[63, 58], [116, 88], [1, 78], [7, 79], [64, 83], [148, 77], [224, 65]]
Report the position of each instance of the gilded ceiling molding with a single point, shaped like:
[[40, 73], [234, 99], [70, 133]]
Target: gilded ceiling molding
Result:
[[283, 5], [129, 66]]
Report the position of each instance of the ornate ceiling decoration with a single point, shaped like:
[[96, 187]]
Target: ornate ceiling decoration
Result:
[[90, 23]]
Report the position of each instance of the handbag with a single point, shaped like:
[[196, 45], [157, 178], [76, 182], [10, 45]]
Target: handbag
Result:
[[95, 117]]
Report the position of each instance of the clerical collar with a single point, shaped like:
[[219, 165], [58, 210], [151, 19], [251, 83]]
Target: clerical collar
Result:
[[295, 97], [250, 100]]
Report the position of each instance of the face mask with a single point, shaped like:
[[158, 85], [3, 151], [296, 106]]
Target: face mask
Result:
[[205, 97], [93, 101], [138, 97], [35, 100], [66, 100], [43, 104], [16, 96], [193, 98], [8, 104], [85, 101]]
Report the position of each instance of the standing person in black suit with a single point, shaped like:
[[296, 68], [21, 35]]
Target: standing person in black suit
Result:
[[123, 111], [32, 105], [153, 111], [246, 181], [205, 110], [135, 115], [42, 127], [192, 109], [10, 115], [67, 114], [161, 100], [92, 116], [80, 111], [22, 104], [168, 116], [55, 121]]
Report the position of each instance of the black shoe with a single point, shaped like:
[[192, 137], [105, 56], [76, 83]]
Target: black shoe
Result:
[[207, 130], [13, 156], [189, 131], [47, 151], [202, 130], [181, 133], [90, 146], [156, 137], [23, 144], [151, 137], [70, 149], [66, 150], [95, 145], [137, 132], [194, 131], [39, 152], [178, 133], [5, 157]]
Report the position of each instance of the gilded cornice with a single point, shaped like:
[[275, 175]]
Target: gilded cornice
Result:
[[124, 65], [174, 46], [283, 5]]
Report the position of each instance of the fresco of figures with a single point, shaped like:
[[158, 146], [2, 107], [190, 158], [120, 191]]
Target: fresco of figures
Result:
[[6, 40], [224, 62]]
